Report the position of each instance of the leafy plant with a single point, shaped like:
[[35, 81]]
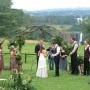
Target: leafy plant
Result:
[[18, 82], [80, 59], [17, 41], [18, 56], [12, 42], [67, 49], [58, 40], [20, 40]]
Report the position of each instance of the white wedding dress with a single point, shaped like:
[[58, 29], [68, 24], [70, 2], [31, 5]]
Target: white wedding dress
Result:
[[42, 67]]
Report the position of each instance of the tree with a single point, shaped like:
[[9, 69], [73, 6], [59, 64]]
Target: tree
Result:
[[86, 27], [10, 19], [5, 6], [28, 20]]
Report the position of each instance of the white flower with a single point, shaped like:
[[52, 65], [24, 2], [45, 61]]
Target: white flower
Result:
[[24, 81]]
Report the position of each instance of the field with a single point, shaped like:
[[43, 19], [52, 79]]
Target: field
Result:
[[65, 81]]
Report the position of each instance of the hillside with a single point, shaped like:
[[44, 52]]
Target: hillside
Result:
[[78, 12]]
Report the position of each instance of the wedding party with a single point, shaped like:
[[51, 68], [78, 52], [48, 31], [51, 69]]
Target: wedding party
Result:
[[44, 45], [57, 57]]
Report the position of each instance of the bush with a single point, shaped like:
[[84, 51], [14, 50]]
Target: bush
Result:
[[18, 82], [80, 59]]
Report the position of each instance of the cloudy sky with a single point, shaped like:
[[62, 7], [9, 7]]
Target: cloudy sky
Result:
[[49, 4]]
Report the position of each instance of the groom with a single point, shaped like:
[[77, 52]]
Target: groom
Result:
[[56, 56]]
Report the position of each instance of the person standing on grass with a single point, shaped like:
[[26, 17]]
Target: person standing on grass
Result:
[[38, 47], [56, 56], [50, 58], [42, 66], [73, 54], [1, 61], [63, 60], [13, 65], [86, 57]]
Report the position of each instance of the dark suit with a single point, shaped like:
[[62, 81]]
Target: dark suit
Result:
[[56, 60], [74, 67], [37, 49]]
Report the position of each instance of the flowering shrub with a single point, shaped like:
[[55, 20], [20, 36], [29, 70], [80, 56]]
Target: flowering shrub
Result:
[[18, 82]]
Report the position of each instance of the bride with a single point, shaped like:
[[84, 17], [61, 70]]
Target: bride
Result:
[[42, 67]]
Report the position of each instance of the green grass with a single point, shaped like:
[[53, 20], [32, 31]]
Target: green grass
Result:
[[65, 81]]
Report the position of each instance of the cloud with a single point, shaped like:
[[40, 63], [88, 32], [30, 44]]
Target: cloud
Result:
[[48, 4]]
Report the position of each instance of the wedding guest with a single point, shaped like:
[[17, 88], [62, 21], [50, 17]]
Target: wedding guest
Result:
[[42, 66], [50, 58], [63, 60], [86, 57], [1, 61], [12, 58], [73, 54], [38, 47], [56, 56]]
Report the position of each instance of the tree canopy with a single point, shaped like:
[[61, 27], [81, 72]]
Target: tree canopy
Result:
[[10, 19], [86, 27]]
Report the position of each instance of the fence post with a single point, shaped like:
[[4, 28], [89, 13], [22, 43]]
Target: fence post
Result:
[[25, 57]]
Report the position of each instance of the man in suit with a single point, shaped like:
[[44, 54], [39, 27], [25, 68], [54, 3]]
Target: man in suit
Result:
[[56, 56], [73, 54], [38, 47]]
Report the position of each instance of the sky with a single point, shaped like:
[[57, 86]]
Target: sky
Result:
[[33, 5]]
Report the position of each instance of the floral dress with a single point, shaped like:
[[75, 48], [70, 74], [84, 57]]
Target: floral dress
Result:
[[12, 60]]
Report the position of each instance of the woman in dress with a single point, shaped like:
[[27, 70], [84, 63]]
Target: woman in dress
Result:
[[42, 67], [63, 60], [86, 57], [12, 58], [1, 61]]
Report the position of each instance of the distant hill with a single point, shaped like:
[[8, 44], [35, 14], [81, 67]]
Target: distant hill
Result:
[[77, 12]]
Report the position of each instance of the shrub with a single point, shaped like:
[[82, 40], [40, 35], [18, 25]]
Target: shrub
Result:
[[18, 82]]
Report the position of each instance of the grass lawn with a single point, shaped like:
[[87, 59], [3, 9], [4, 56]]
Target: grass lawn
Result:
[[65, 81]]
